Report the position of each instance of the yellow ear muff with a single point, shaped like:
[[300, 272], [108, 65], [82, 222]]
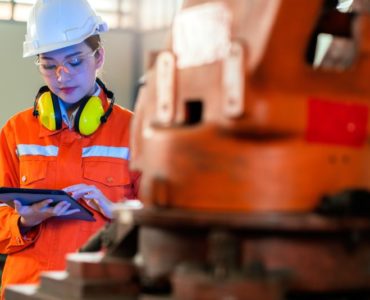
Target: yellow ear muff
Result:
[[46, 112], [91, 114]]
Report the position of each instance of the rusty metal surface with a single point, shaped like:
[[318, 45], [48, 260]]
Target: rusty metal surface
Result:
[[199, 286], [95, 266], [20, 292], [292, 222], [315, 263], [85, 288]]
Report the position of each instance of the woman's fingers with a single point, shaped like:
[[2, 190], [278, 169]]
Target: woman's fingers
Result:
[[17, 205], [71, 211], [72, 188], [63, 209], [79, 189], [42, 205], [60, 208], [92, 196], [84, 191], [38, 212]]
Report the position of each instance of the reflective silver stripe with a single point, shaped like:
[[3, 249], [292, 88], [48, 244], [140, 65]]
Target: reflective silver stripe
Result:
[[3, 204], [23, 149], [106, 151]]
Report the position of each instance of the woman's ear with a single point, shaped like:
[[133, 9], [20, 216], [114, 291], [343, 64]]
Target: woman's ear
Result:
[[100, 55]]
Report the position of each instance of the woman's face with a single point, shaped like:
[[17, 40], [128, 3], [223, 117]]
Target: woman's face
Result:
[[70, 72]]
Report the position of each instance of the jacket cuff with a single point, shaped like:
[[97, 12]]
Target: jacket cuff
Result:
[[26, 238]]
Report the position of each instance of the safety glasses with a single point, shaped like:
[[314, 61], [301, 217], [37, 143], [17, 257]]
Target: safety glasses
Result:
[[71, 65]]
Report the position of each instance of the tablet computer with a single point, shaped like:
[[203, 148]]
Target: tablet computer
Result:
[[30, 196]]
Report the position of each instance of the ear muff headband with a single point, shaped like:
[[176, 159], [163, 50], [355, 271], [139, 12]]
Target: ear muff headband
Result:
[[110, 95], [89, 116]]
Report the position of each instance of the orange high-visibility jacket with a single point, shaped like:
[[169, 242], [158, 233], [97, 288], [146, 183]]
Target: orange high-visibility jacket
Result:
[[31, 156]]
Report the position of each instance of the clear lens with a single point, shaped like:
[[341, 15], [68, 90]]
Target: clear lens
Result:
[[71, 65]]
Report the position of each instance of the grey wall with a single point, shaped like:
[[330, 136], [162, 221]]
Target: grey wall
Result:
[[118, 68], [126, 53], [19, 79], [155, 40]]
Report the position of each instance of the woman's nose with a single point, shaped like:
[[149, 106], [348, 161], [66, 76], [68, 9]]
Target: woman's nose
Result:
[[59, 72]]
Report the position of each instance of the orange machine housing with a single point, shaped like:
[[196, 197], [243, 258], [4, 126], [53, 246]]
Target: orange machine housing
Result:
[[236, 118]]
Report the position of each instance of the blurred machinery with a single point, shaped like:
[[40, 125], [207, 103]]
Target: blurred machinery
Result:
[[252, 135]]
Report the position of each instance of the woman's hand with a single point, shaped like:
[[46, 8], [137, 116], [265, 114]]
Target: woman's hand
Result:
[[92, 196], [32, 215]]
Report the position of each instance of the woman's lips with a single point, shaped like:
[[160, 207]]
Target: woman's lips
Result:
[[68, 90]]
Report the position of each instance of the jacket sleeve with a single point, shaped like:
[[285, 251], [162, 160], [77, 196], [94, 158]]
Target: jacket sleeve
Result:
[[11, 239]]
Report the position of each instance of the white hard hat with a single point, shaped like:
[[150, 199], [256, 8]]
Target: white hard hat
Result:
[[55, 24]]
